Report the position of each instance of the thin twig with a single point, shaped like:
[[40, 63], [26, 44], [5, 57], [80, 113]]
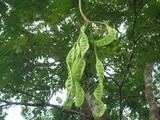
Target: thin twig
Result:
[[5, 105], [129, 96], [147, 28], [42, 107], [22, 92], [130, 59], [113, 80], [46, 105], [133, 39], [30, 95], [84, 17], [134, 20], [120, 103], [128, 65]]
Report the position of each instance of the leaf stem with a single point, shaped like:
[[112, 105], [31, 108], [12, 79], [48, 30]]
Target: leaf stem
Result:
[[84, 17]]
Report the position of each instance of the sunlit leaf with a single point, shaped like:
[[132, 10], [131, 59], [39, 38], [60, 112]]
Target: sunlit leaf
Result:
[[83, 41], [78, 68], [79, 96], [76, 65], [111, 35], [100, 108]]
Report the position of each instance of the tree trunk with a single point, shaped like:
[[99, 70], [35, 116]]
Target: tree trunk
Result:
[[153, 109]]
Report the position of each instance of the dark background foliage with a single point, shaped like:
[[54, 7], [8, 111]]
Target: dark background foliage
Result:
[[36, 35]]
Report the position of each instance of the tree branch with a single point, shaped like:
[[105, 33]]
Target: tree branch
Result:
[[84, 17], [130, 59], [128, 65], [38, 111], [30, 95], [147, 28], [134, 20], [45, 105], [120, 103], [133, 49], [136, 40]]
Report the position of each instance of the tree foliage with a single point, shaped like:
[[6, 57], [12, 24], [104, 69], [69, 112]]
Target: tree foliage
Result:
[[36, 37]]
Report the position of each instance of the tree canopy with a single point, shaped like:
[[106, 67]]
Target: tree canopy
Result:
[[110, 65]]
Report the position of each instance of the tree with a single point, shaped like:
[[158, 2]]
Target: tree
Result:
[[36, 37]]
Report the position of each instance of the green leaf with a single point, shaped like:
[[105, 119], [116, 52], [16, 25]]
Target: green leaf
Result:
[[83, 41], [98, 91], [98, 94], [78, 69], [69, 82], [79, 96], [108, 38], [76, 65], [70, 92], [70, 58], [100, 108], [98, 111], [100, 69], [18, 49]]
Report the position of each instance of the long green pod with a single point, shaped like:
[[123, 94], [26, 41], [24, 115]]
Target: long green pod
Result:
[[78, 69], [84, 44], [70, 58], [70, 91], [69, 82], [79, 96], [99, 90], [76, 65], [110, 37], [100, 107]]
